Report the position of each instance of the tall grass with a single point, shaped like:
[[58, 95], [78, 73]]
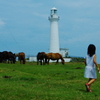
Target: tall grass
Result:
[[46, 82]]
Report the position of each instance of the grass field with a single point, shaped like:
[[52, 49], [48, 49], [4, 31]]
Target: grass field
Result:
[[46, 82]]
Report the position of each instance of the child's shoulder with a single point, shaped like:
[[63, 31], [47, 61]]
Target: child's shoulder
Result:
[[94, 55]]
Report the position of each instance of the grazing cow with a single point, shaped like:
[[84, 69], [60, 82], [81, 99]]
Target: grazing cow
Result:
[[41, 57], [21, 57]]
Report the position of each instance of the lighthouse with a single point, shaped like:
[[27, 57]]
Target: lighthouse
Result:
[[54, 36]]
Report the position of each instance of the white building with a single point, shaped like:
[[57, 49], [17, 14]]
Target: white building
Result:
[[64, 52]]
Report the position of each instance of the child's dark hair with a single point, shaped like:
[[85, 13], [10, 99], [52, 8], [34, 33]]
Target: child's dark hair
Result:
[[91, 50]]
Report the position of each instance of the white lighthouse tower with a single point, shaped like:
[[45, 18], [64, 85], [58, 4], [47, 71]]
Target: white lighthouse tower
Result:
[[54, 36]]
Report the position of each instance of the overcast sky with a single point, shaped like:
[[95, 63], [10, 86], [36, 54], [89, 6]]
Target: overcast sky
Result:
[[24, 25]]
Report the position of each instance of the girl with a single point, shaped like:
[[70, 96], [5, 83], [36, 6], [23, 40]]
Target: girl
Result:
[[90, 69]]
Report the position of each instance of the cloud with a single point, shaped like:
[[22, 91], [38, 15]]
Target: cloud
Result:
[[2, 23], [81, 38], [40, 15], [78, 3]]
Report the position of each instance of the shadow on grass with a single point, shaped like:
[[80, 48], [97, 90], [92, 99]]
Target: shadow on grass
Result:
[[83, 90]]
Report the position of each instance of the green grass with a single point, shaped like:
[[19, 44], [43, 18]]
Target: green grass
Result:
[[46, 82]]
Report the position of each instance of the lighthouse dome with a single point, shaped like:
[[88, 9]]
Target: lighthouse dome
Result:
[[53, 8]]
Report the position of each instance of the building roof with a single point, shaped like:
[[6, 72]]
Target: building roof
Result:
[[63, 49]]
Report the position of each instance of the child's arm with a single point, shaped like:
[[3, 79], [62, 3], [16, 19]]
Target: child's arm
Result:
[[94, 59]]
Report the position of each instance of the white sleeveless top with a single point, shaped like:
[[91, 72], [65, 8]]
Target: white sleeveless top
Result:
[[89, 61], [90, 69]]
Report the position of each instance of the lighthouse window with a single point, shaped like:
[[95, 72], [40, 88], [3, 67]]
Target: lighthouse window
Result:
[[55, 11], [51, 15]]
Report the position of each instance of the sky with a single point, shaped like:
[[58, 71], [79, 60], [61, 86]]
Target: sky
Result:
[[24, 25]]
